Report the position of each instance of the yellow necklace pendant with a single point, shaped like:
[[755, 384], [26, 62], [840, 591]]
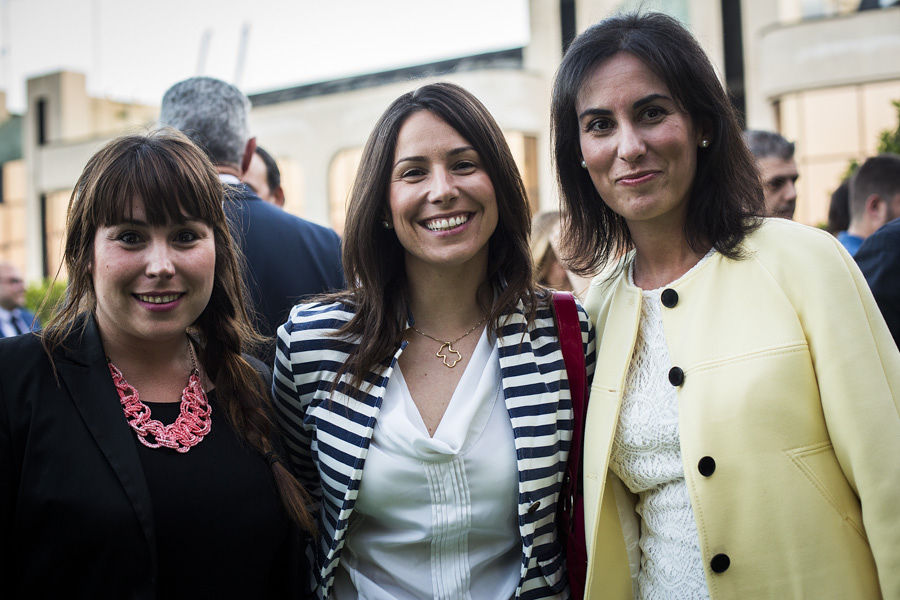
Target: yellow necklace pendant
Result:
[[440, 354]]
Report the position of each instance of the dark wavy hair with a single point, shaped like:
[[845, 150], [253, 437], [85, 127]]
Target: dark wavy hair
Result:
[[174, 178], [726, 197], [373, 257]]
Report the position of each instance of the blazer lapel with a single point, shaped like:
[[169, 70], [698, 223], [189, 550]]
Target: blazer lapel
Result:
[[84, 373], [524, 388]]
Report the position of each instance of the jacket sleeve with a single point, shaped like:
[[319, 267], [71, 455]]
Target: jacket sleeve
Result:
[[857, 367], [293, 387], [589, 342]]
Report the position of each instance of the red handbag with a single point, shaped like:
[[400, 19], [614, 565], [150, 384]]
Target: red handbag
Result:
[[570, 512]]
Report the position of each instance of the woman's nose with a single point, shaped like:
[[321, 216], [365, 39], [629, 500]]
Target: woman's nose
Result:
[[631, 144], [159, 261], [442, 187]]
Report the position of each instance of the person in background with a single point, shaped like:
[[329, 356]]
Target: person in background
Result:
[[879, 259], [548, 270], [287, 258], [742, 432], [264, 178], [15, 319], [427, 408], [777, 170], [138, 457], [874, 199], [839, 209]]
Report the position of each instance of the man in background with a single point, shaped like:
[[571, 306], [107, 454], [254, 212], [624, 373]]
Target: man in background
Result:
[[264, 178], [874, 199], [288, 258], [777, 169], [14, 318]]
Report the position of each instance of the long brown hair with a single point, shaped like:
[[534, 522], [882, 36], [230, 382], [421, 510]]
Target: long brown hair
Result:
[[726, 196], [174, 178], [373, 257]]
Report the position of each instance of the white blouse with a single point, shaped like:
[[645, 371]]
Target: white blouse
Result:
[[646, 456], [436, 516]]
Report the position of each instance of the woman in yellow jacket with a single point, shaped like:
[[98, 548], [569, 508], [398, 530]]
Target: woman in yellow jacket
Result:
[[743, 431]]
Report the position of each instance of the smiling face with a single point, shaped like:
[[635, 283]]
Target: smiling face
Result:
[[639, 146], [151, 282], [441, 199]]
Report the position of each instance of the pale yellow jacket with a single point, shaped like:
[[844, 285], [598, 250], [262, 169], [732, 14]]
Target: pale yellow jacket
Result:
[[791, 386]]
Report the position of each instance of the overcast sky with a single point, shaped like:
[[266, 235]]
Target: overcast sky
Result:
[[134, 49]]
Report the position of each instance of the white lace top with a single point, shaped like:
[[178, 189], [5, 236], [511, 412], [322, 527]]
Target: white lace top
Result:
[[646, 456]]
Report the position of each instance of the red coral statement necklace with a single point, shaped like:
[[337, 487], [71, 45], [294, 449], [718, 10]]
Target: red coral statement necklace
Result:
[[189, 428]]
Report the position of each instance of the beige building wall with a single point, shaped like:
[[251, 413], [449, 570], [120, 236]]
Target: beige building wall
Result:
[[826, 83], [12, 214]]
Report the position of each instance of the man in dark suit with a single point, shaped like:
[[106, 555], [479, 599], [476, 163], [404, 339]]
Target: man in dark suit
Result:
[[14, 318], [879, 260], [288, 258]]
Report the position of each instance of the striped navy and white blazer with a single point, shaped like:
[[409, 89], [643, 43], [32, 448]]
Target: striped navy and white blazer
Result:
[[327, 435]]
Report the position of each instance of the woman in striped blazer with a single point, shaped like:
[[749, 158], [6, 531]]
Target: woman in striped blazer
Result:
[[427, 407]]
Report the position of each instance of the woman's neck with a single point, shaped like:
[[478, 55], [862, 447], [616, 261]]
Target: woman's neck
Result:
[[162, 358], [662, 256], [446, 303]]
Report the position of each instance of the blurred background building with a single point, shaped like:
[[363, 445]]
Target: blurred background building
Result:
[[821, 72]]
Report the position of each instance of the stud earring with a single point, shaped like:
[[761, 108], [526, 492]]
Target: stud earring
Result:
[[704, 143], [583, 165], [386, 225]]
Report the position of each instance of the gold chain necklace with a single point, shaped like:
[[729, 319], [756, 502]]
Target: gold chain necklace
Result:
[[449, 344]]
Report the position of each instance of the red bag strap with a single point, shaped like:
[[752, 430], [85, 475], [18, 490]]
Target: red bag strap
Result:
[[569, 329]]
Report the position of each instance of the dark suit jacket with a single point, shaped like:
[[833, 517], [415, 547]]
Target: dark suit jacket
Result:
[[30, 320], [287, 258], [879, 260], [74, 504], [75, 509]]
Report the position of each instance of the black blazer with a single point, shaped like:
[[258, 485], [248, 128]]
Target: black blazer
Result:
[[110, 541], [75, 509], [288, 258]]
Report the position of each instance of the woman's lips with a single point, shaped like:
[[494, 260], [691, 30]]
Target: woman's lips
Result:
[[158, 302], [637, 178]]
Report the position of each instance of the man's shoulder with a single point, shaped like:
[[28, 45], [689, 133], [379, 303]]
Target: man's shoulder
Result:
[[279, 219]]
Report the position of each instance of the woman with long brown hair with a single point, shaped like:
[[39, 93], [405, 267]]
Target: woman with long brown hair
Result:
[[137, 454], [742, 437], [427, 407]]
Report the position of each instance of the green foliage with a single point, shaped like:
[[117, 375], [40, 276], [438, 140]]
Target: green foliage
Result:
[[888, 141], [35, 294]]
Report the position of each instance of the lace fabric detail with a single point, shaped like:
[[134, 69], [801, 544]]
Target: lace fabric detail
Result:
[[646, 456]]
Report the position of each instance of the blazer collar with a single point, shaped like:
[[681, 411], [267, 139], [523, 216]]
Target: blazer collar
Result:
[[84, 373]]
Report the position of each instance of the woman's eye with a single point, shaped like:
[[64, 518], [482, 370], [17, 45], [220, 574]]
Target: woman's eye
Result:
[[412, 173], [186, 237], [465, 165], [599, 125], [654, 112], [129, 237]]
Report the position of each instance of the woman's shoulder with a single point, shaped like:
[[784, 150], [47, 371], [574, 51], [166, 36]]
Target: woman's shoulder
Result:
[[21, 353], [319, 316], [783, 245]]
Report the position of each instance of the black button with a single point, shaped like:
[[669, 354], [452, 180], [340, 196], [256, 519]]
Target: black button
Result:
[[707, 466], [676, 376], [533, 508], [720, 563], [669, 298]]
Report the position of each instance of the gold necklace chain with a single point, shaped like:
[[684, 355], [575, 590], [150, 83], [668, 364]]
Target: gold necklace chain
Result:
[[449, 344]]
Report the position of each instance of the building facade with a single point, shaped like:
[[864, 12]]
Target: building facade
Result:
[[822, 72]]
